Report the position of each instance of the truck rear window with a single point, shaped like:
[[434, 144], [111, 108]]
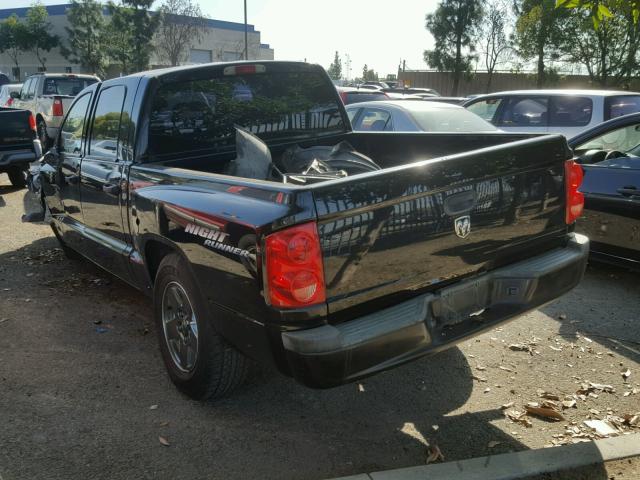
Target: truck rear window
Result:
[[201, 115], [66, 86]]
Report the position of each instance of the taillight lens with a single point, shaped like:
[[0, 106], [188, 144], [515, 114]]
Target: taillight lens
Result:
[[32, 123], [9, 101], [293, 273], [343, 97], [575, 200], [57, 108]]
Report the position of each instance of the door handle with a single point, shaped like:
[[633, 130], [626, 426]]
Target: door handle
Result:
[[629, 191], [111, 189]]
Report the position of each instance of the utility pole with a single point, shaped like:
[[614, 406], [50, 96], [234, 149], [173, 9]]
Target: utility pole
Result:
[[348, 65], [246, 42]]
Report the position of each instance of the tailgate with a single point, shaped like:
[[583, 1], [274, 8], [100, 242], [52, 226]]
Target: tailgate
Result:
[[404, 230], [15, 131]]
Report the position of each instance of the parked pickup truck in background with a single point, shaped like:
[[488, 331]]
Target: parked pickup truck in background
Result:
[[19, 145], [48, 96], [237, 196]]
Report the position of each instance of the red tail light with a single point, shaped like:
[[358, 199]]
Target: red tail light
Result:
[[9, 101], [244, 69], [293, 273], [343, 97], [32, 123], [575, 200], [57, 107]]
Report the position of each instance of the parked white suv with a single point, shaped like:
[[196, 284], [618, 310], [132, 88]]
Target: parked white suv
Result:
[[568, 112], [48, 96]]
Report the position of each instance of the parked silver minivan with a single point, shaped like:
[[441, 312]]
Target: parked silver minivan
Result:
[[568, 112]]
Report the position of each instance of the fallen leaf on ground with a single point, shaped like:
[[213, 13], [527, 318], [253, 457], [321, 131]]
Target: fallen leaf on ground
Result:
[[569, 404], [487, 390], [550, 396], [521, 347], [481, 368], [164, 424], [518, 417], [493, 443], [601, 427], [434, 454], [435, 428], [507, 405], [562, 316], [557, 349], [153, 407], [360, 387], [163, 441], [506, 369], [479, 379], [626, 374], [544, 412]]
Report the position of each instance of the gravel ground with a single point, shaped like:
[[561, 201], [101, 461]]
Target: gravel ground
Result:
[[84, 394]]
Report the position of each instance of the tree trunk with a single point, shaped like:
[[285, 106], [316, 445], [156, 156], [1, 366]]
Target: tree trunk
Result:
[[457, 67], [489, 80], [540, 80]]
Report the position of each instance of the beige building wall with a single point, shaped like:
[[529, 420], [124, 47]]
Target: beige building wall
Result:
[[217, 44]]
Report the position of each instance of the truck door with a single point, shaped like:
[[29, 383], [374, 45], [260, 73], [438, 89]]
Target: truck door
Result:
[[63, 172], [101, 191]]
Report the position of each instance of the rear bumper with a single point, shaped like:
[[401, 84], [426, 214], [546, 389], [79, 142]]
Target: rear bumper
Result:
[[331, 355], [20, 157]]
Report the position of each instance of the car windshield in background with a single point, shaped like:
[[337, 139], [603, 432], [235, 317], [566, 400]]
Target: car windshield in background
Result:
[[201, 115], [621, 105], [450, 120], [66, 85], [624, 139], [360, 96]]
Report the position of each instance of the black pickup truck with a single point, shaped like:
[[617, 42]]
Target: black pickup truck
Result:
[[19, 145], [237, 196]]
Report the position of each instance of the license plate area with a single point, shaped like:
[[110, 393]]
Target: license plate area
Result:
[[457, 303]]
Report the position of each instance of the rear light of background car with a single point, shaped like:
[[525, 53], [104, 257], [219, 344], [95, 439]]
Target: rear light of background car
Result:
[[575, 200], [343, 97], [32, 122], [243, 69], [293, 272], [57, 107], [9, 102]]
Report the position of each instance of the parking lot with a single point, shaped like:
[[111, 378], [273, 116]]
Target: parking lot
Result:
[[85, 393]]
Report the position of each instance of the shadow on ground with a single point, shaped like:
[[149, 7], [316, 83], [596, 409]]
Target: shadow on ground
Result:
[[81, 369]]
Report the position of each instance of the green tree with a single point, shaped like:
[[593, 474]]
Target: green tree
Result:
[[13, 38], [181, 25], [86, 33], [335, 69], [136, 21], [121, 46], [454, 26], [601, 9], [539, 31], [608, 52], [38, 27], [369, 75]]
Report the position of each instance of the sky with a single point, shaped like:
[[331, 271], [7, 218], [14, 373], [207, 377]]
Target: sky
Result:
[[377, 34]]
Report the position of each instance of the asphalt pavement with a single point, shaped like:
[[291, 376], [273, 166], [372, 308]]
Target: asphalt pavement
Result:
[[84, 394]]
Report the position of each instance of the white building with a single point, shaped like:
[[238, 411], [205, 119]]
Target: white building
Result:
[[222, 41]]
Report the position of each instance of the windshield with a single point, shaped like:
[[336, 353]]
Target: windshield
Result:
[[450, 120], [66, 85], [194, 115], [624, 139]]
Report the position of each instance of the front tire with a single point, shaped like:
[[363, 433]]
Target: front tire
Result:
[[18, 176], [199, 361]]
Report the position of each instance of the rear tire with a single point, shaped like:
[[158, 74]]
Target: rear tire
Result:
[[199, 361], [17, 176]]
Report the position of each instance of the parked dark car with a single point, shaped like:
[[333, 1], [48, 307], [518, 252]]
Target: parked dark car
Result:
[[610, 157], [19, 145], [237, 196], [350, 95]]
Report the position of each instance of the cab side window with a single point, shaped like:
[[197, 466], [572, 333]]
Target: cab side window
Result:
[[568, 111], [106, 128], [24, 92], [525, 112], [486, 109], [72, 131], [374, 120]]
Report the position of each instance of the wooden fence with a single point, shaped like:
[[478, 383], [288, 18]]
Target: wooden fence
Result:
[[501, 81]]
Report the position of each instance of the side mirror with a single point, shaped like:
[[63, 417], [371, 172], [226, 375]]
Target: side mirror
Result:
[[14, 95]]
